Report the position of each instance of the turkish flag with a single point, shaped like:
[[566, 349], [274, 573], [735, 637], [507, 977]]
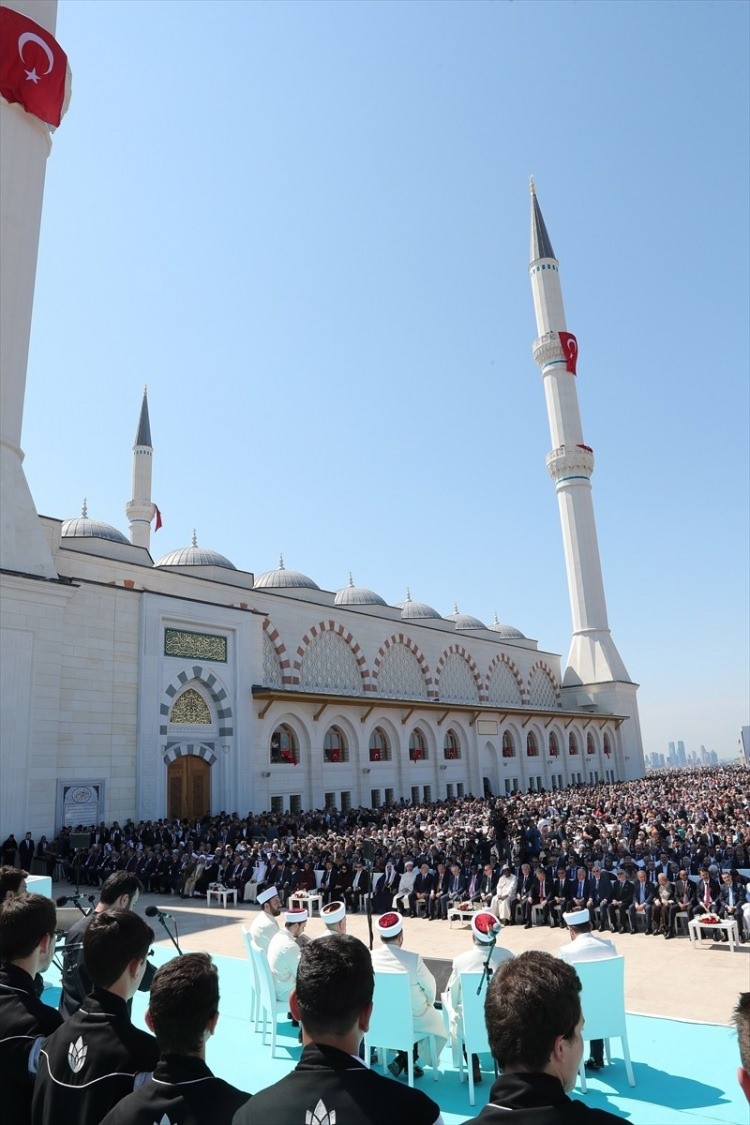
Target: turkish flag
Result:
[[159, 520], [33, 67], [570, 348]]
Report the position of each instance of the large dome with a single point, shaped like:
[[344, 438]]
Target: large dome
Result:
[[357, 595], [195, 556], [464, 620], [413, 611], [81, 527], [508, 632], [283, 579]]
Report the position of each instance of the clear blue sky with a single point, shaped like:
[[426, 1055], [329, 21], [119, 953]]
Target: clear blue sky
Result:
[[305, 226]]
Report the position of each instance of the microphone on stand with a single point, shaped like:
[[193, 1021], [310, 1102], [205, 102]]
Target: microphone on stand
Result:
[[63, 900], [162, 915], [155, 912]]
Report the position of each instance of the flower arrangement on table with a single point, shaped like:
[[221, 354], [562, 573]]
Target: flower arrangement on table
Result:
[[464, 906], [217, 887], [709, 919]]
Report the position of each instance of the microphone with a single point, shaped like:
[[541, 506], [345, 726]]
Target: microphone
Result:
[[154, 912], [63, 900]]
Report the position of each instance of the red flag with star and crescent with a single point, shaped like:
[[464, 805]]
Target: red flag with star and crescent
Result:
[[570, 349], [33, 67]]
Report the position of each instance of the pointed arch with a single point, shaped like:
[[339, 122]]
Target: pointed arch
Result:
[[504, 684], [314, 640], [274, 652], [216, 691], [173, 751], [542, 688], [445, 663], [387, 654]]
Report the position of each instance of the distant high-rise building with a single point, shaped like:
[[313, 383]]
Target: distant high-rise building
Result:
[[681, 757]]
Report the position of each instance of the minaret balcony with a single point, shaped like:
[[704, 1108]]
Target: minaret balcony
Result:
[[547, 348], [570, 461]]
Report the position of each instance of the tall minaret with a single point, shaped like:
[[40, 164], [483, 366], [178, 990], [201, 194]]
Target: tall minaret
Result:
[[140, 510], [593, 658], [25, 144]]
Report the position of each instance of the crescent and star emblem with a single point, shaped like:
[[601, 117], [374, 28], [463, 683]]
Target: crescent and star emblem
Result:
[[29, 37]]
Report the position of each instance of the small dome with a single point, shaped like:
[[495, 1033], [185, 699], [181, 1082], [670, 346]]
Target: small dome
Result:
[[195, 556], [283, 579], [508, 632], [82, 527], [464, 620], [357, 595], [412, 611]]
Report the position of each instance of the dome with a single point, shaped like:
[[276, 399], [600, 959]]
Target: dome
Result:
[[82, 527], [507, 632], [464, 620], [412, 611], [283, 579], [195, 556], [357, 595]]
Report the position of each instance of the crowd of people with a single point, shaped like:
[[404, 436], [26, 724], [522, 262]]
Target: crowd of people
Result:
[[582, 858], [552, 850]]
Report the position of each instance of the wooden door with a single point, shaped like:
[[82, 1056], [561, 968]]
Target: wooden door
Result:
[[188, 787]]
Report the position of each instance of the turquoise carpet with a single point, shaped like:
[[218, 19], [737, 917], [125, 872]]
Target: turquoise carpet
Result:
[[685, 1073]]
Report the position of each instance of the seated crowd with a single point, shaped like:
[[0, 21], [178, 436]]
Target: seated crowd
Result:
[[528, 856], [582, 858]]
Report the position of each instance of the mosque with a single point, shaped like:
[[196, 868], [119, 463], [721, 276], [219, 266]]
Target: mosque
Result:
[[141, 687]]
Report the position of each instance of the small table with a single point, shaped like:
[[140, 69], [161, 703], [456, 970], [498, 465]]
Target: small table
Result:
[[728, 925], [455, 913], [221, 894], [309, 902]]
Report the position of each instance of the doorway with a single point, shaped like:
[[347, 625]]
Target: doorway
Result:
[[188, 787]]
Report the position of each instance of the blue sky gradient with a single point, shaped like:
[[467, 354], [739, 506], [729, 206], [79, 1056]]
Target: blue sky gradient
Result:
[[306, 227]]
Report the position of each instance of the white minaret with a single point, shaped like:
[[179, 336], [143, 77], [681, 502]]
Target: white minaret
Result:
[[25, 144], [140, 510], [593, 657]]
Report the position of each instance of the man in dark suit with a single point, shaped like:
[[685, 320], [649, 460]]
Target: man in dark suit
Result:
[[579, 890], [359, 885], [523, 889], [707, 892], [731, 898], [26, 852], [559, 896], [487, 885], [601, 891], [643, 896], [423, 884], [455, 892], [439, 889], [541, 895], [622, 897]]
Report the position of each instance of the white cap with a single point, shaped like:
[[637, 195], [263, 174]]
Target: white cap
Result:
[[409, 863], [267, 895], [483, 925], [390, 924], [292, 916], [333, 912], [576, 918]]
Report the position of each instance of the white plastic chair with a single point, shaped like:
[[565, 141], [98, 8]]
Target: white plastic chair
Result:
[[269, 1008], [254, 985], [603, 1003], [392, 1023], [473, 1028]]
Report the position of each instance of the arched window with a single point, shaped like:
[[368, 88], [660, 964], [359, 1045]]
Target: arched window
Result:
[[554, 749], [509, 750], [417, 746], [607, 745], [572, 744], [191, 708], [451, 746], [380, 747], [284, 746], [532, 746], [590, 748], [335, 746]]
